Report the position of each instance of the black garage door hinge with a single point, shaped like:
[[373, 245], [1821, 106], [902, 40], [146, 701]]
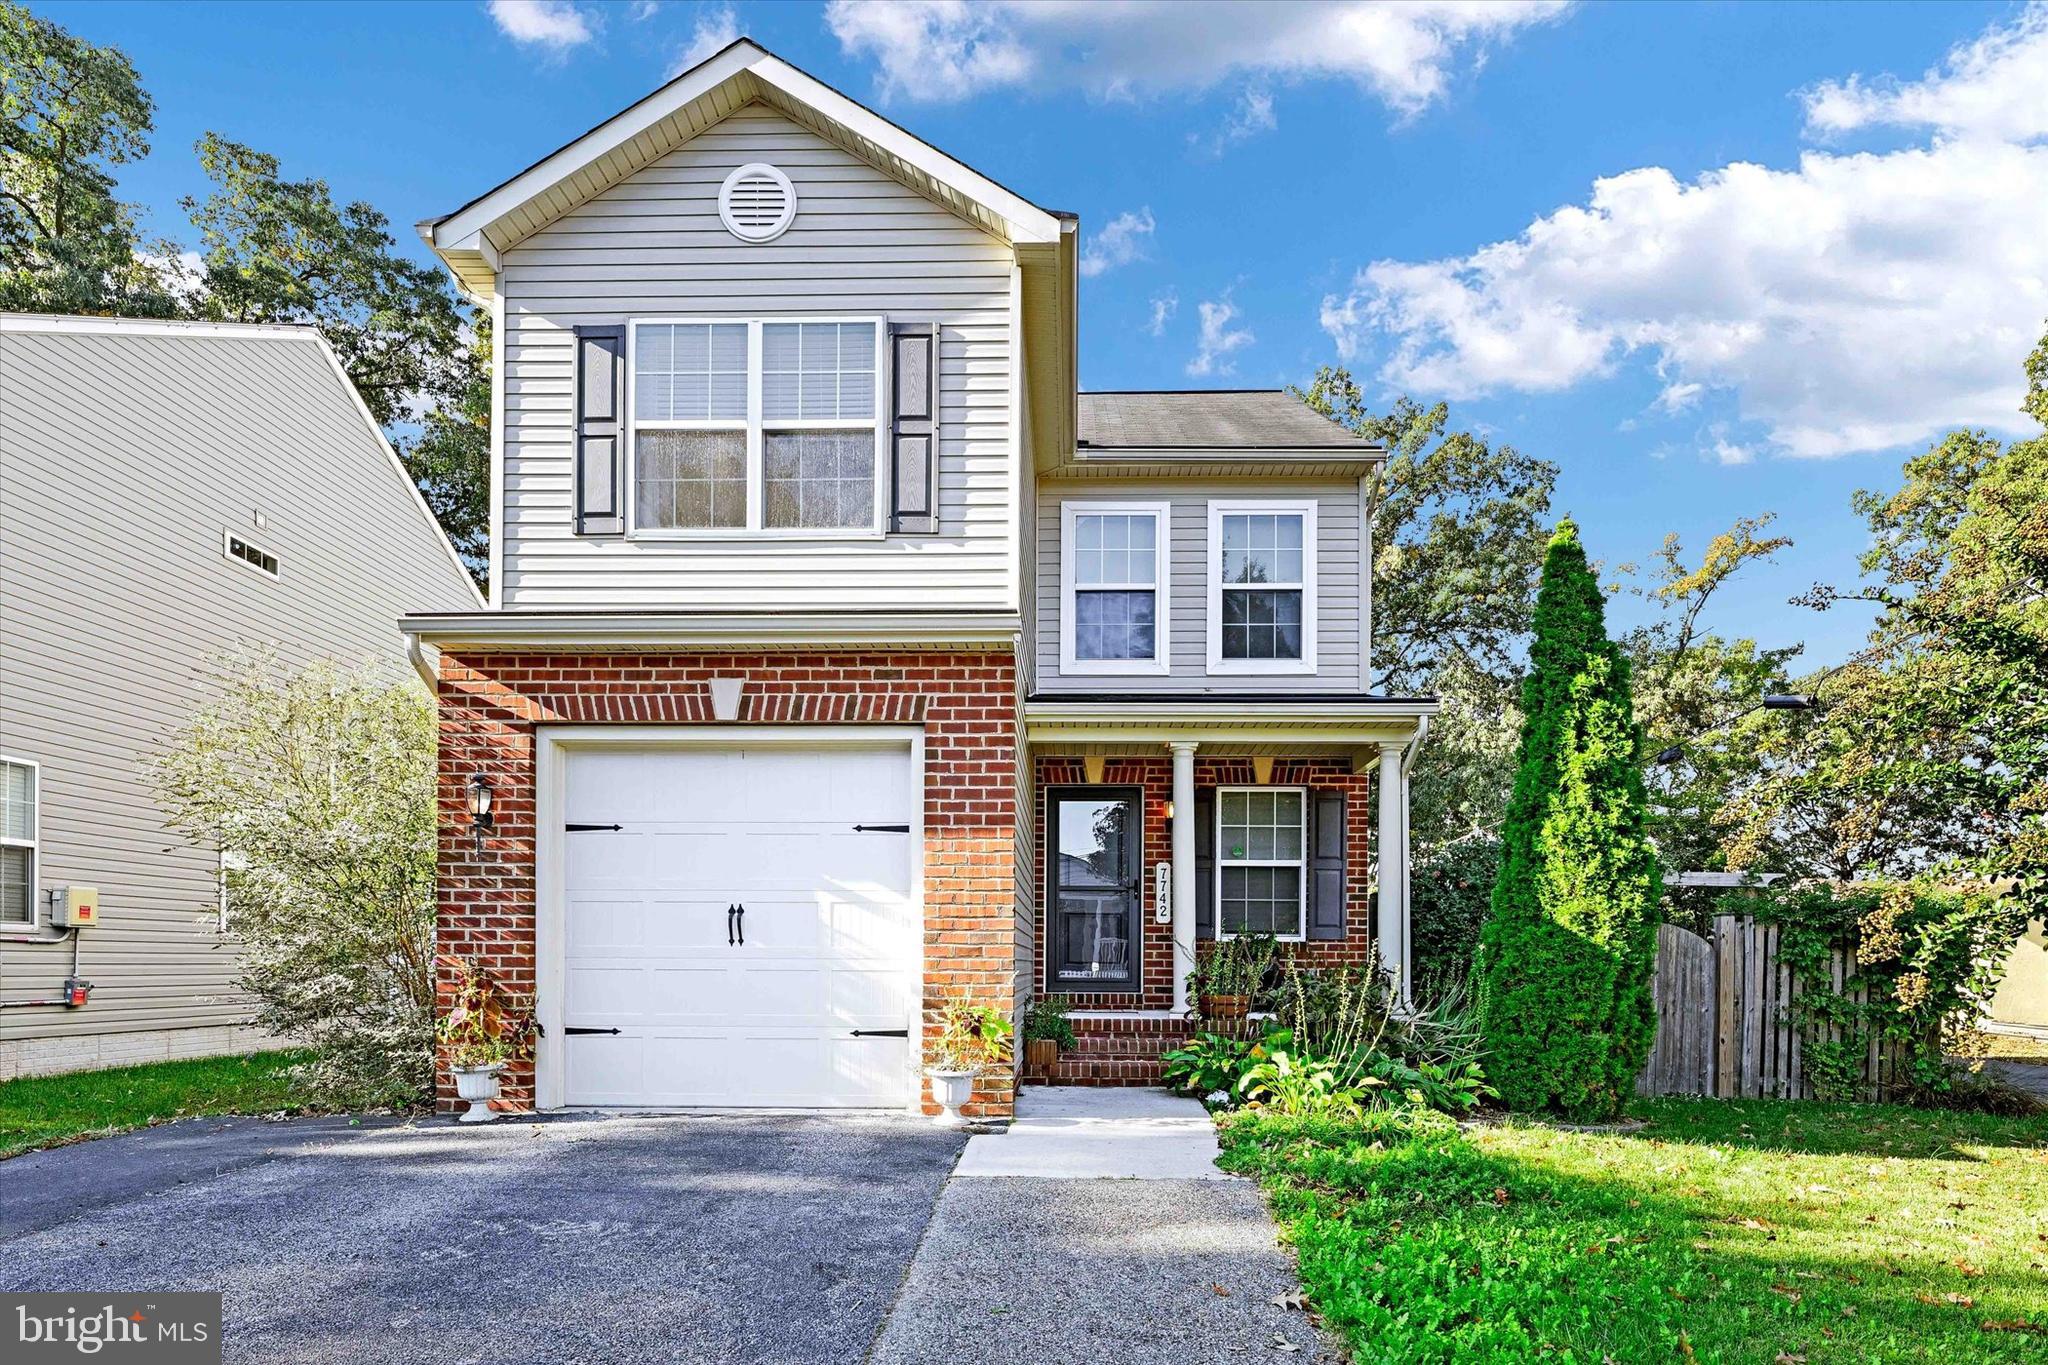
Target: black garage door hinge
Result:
[[881, 1033], [589, 1030], [881, 829], [578, 829]]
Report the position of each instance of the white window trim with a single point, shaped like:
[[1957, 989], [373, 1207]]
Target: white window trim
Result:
[[34, 844], [227, 549], [1161, 661], [756, 527], [1305, 508], [1301, 864], [229, 862]]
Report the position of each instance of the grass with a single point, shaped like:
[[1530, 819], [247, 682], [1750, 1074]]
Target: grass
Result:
[[44, 1111], [1766, 1232]]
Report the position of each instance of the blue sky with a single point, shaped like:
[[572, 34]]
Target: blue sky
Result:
[[1714, 260]]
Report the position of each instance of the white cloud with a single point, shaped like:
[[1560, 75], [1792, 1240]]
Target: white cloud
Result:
[[1164, 306], [1680, 396], [1850, 303], [555, 24], [1404, 54], [1727, 452], [715, 29], [1122, 242], [1995, 86], [1252, 115], [642, 10], [1218, 340]]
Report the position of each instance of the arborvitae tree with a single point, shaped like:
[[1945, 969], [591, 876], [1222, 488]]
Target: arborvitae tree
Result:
[[1566, 956]]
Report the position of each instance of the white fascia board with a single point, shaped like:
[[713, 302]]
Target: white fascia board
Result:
[[607, 629]]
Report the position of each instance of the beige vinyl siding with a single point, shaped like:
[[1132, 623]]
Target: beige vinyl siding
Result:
[[123, 460], [1337, 584], [862, 244]]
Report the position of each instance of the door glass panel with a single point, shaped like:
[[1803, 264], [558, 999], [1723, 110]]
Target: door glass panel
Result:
[[1094, 901]]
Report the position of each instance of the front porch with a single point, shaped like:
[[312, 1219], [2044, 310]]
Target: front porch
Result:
[[1163, 823]]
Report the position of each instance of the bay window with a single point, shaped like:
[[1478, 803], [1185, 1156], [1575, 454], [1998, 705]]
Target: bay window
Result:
[[756, 426]]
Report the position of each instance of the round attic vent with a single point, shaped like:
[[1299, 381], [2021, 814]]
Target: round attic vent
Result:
[[757, 203]]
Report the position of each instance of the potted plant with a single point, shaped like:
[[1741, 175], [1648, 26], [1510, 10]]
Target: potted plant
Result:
[[1046, 1030], [483, 1030], [971, 1039], [1229, 979]]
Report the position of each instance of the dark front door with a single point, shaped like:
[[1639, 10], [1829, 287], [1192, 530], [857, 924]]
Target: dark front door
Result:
[[1097, 838]]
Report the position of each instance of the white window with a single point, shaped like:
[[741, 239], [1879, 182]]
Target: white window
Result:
[[18, 816], [1261, 852], [232, 866], [243, 550], [1113, 576], [1262, 587], [756, 427]]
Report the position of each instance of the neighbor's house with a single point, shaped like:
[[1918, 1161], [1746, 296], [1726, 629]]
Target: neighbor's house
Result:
[[168, 492], [843, 659]]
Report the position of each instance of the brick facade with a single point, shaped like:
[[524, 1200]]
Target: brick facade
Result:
[[1155, 777], [490, 704]]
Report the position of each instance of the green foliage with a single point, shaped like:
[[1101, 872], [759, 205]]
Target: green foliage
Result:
[[45, 1111], [1926, 959], [1299, 1085], [1451, 894], [971, 1038], [318, 783], [1567, 953], [1207, 1064], [484, 1025], [70, 112], [450, 458], [1045, 1018], [1240, 965]]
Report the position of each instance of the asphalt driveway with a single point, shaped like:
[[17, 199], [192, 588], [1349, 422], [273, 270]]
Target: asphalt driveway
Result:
[[674, 1239]]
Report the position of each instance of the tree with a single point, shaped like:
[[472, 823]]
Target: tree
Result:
[[317, 786], [1458, 537], [1566, 956], [283, 251], [450, 459], [69, 113]]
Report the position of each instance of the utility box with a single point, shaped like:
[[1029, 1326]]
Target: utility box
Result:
[[74, 907]]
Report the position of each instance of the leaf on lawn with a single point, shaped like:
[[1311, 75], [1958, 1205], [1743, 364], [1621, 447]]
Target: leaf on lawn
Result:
[[1293, 1298], [1500, 1196], [1788, 1291], [1283, 1345], [1789, 1358], [1969, 1270], [2012, 1325], [1685, 1347]]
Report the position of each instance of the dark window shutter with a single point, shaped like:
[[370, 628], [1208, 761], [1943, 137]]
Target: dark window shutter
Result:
[[914, 428], [1326, 866], [1205, 864], [600, 387]]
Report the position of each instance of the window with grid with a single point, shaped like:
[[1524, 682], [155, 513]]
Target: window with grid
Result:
[[1263, 585], [755, 425], [1112, 573], [1261, 852], [17, 842]]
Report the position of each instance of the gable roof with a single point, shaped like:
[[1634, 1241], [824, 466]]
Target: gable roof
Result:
[[1255, 423], [471, 238]]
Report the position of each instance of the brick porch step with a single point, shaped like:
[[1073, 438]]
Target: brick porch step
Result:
[[1117, 1049]]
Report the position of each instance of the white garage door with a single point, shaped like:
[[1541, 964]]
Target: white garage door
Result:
[[739, 939]]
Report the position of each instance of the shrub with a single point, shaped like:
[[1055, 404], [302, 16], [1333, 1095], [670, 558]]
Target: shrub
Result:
[[1208, 1063], [1451, 895], [971, 1038], [1045, 1019], [1567, 952], [317, 786]]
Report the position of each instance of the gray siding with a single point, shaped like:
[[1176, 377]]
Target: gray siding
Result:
[[1337, 585], [861, 244], [123, 459]]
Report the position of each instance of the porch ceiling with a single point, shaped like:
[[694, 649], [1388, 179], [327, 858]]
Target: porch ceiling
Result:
[[1225, 727]]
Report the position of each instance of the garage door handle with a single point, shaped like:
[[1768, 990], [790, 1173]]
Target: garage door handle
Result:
[[589, 1030], [881, 1033], [730, 911], [881, 829]]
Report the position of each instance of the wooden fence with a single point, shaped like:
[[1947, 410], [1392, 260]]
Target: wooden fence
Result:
[[1724, 1023]]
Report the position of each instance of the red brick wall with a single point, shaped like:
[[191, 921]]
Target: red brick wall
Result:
[[966, 702], [1155, 777]]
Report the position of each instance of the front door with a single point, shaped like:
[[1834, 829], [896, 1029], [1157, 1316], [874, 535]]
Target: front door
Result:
[[1095, 874]]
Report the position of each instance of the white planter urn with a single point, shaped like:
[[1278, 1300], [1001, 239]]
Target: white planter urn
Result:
[[952, 1089], [478, 1085]]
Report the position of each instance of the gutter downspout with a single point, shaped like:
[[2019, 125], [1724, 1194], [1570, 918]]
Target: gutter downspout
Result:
[[416, 655]]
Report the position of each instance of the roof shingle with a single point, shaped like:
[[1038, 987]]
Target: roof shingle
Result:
[[1209, 419]]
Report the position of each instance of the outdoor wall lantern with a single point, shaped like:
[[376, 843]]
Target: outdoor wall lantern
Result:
[[479, 808]]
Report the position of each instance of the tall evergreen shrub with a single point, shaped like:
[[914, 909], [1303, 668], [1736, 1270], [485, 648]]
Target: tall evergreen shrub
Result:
[[1566, 955]]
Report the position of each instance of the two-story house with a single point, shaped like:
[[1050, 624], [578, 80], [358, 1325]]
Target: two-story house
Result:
[[843, 659]]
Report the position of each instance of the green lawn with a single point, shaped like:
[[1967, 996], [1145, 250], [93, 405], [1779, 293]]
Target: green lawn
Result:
[[1772, 1233], [42, 1111]]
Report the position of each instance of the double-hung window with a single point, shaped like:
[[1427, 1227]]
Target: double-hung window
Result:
[[1262, 587], [770, 427], [1113, 576], [17, 842], [1261, 852]]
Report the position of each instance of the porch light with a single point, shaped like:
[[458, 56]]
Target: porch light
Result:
[[480, 821], [1169, 809]]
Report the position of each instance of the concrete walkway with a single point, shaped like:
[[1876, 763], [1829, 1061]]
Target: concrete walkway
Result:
[[1098, 1229]]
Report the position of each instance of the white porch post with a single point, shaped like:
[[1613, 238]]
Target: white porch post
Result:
[[1183, 869], [1393, 870]]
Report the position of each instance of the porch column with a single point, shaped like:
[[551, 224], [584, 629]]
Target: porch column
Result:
[[1183, 869], [1392, 927]]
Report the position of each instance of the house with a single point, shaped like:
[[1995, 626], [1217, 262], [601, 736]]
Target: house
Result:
[[843, 660], [169, 491]]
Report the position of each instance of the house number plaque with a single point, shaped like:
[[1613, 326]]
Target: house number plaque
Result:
[[1162, 893]]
